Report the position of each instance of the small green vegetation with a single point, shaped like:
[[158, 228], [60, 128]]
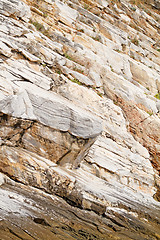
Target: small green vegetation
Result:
[[147, 11], [133, 8], [135, 41], [97, 91], [158, 50], [99, 94], [86, 6], [97, 38], [115, 102], [117, 50], [78, 70], [76, 81], [150, 113], [136, 2], [67, 56], [111, 68], [157, 96], [38, 26], [41, 28], [132, 56], [58, 71], [45, 14]]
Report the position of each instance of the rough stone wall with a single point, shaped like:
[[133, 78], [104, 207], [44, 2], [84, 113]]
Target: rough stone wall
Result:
[[79, 117]]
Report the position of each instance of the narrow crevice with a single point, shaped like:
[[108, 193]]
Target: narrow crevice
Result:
[[41, 221], [61, 158], [115, 221], [22, 230], [15, 234]]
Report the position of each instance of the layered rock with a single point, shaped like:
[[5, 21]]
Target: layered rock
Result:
[[79, 118]]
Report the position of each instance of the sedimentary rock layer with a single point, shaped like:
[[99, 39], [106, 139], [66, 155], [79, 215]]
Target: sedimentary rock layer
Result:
[[79, 119]]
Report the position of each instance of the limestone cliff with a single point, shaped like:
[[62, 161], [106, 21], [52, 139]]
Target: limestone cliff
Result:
[[79, 119]]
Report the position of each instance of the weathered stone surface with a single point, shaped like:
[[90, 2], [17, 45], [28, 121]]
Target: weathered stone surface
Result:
[[145, 76], [144, 129], [66, 14], [51, 110], [79, 102], [59, 220], [15, 8], [19, 73], [4, 50], [116, 85]]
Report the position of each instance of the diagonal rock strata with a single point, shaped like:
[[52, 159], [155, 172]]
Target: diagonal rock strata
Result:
[[79, 119]]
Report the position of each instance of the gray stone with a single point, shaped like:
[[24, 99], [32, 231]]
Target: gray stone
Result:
[[4, 50], [51, 110], [82, 78], [27, 74], [16, 8]]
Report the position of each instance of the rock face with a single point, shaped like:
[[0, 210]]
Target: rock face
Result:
[[15, 8], [79, 120]]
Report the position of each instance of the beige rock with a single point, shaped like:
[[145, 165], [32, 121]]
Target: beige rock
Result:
[[95, 143], [144, 75]]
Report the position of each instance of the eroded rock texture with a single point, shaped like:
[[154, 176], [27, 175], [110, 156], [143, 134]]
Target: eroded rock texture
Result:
[[79, 119]]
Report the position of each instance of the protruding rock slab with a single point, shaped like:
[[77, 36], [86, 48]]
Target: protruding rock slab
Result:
[[51, 110]]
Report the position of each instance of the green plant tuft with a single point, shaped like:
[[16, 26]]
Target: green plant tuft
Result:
[[86, 6], [99, 94], [117, 50], [157, 96], [97, 38], [111, 68], [135, 41], [41, 28], [58, 71], [67, 56], [38, 26], [78, 70], [76, 81]]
